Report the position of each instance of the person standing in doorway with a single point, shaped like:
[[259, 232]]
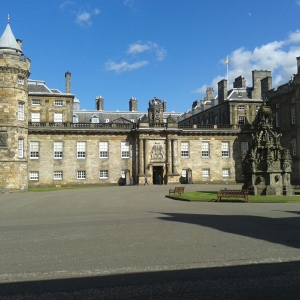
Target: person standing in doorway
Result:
[[146, 180], [159, 179]]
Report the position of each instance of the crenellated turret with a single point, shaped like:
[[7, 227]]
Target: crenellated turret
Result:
[[14, 73]]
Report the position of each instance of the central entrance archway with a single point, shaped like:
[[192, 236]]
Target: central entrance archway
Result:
[[157, 175]]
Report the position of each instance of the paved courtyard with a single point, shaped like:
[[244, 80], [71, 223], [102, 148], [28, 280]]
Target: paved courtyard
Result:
[[133, 243]]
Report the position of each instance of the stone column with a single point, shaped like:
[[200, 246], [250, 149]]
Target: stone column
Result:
[[146, 155], [169, 156], [174, 157], [141, 157]]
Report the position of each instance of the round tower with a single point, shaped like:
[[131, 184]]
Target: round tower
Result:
[[14, 72]]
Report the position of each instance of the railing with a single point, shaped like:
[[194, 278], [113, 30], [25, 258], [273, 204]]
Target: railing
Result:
[[80, 125]]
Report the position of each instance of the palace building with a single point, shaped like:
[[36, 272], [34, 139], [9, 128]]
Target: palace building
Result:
[[46, 140]]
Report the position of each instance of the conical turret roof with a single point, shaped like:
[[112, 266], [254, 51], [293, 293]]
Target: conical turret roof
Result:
[[8, 41]]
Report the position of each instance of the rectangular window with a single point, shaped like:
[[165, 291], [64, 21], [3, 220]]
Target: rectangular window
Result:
[[103, 174], [183, 173], [34, 150], [58, 175], [225, 149], [36, 102], [225, 172], [293, 115], [33, 175], [58, 102], [123, 173], [58, 150], [277, 119], [293, 100], [103, 149], [205, 149], [21, 111], [35, 117], [94, 119], [20, 148], [81, 175], [242, 120], [244, 148], [241, 107], [81, 146], [205, 173], [58, 118], [184, 149], [294, 147], [125, 149]]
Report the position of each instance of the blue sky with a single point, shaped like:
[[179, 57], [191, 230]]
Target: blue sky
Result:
[[171, 49]]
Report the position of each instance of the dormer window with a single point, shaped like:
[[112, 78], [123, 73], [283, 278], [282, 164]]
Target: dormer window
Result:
[[36, 102], [75, 119], [241, 107], [94, 119], [106, 120]]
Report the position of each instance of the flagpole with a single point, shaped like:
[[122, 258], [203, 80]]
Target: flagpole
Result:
[[227, 68]]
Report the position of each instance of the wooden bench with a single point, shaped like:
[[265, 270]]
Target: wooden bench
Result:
[[233, 194], [177, 190]]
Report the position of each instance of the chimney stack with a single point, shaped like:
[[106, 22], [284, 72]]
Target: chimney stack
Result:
[[68, 82]]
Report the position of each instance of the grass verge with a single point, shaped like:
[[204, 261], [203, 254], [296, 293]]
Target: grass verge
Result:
[[212, 197]]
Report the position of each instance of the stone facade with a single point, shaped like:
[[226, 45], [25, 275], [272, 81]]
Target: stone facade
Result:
[[46, 140]]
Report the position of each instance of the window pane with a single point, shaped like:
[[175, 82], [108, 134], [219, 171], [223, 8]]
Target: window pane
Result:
[[225, 149], [34, 149], [103, 174], [125, 149], [80, 149], [103, 149], [205, 149], [58, 150], [80, 174], [58, 175], [33, 175], [21, 148], [184, 149], [21, 111]]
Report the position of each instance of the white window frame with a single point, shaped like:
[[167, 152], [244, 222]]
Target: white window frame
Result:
[[241, 120], [125, 150], [205, 149], [244, 148], [205, 173], [294, 147], [81, 150], [225, 149], [35, 102], [34, 149], [75, 119], [293, 115], [81, 175], [58, 103], [241, 108], [58, 150], [226, 172], [20, 148], [21, 111], [103, 149], [35, 117], [103, 174], [34, 175], [185, 149], [106, 120], [58, 175], [58, 117]]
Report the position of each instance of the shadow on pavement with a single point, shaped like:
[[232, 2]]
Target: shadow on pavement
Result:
[[260, 281], [286, 229]]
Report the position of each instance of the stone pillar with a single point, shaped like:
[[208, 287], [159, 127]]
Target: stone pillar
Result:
[[141, 157], [146, 156], [169, 156], [174, 157]]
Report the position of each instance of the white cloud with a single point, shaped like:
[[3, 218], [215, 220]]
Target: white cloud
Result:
[[279, 57], [140, 47], [297, 3], [124, 66], [65, 4], [129, 2], [83, 18]]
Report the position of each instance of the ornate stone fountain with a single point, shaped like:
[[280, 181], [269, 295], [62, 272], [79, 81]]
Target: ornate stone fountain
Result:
[[267, 165]]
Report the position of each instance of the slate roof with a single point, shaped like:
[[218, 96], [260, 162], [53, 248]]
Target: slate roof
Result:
[[39, 87], [8, 41]]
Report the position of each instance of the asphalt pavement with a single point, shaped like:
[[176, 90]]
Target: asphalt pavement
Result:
[[134, 243]]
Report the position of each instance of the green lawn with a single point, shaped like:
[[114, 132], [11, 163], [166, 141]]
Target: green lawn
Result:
[[212, 197]]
